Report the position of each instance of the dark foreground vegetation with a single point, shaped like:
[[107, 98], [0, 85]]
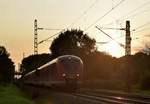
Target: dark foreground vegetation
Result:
[[7, 67], [101, 70], [10, 94]]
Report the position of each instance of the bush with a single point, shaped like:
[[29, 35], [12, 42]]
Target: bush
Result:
[[6, 66]]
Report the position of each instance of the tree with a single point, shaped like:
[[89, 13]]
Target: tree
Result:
[[72, 42], [146, 49], [6, 66], [36, 60], [3, 52]]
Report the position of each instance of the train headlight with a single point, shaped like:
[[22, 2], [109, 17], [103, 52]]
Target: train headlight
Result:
[[78, 75], [63, 74]]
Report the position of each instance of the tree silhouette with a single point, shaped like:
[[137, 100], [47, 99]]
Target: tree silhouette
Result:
[[6, 66], [34, 61], [72, 42], [3, 52], [146, 49]]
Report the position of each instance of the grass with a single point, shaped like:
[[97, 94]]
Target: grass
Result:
[[10, 94]]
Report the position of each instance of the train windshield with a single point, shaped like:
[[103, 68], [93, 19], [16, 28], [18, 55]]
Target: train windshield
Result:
[[71, 66]]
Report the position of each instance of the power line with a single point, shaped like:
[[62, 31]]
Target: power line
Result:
[[50, 37], [85, 12], [138, 13], [141, 26], [112, 3], [104, 14], [111, 37], [102, 42], [139, 7], [140, 30], [49, 29], [112, 28]]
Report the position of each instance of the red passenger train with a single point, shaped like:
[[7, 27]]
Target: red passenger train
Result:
[[64, 71]]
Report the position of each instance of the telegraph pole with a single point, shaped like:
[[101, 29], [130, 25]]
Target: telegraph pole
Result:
[[128, 53], [127, 45], [35, 38], [127, 48], [36, 43], [128, 39]]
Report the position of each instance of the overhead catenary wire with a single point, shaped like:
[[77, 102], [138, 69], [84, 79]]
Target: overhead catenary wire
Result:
[[148, 23], [52, 29], [126, 16], [120, 44], [85, 12], [139, 7], [134, 32], [103, 42], [50, 37], [133, 15], [112, 28], [104, 15]]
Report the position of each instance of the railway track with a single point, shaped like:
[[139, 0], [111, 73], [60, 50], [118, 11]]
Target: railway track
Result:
[[109, 97], [103, 96]]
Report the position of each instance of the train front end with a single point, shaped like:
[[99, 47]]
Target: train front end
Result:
[[71, 71]]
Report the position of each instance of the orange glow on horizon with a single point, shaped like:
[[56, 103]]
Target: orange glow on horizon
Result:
[[114, 49]]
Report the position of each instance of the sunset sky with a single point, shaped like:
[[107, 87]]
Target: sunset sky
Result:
[[17, 23]]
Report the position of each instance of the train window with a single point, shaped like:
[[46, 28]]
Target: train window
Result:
[[71, 65]]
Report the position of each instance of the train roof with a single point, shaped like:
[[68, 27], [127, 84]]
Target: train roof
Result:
[[69, 56], [55, 60], [60, 58], [47, 64], [30, 72]]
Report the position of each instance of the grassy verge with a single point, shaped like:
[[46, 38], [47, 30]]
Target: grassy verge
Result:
[[10, 94]]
